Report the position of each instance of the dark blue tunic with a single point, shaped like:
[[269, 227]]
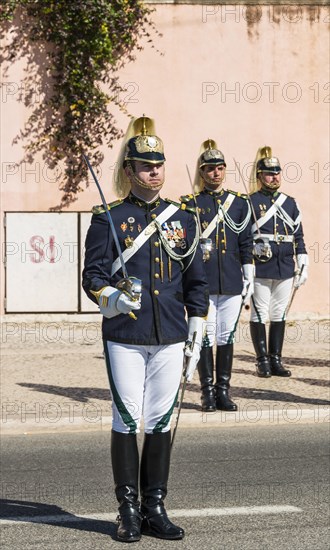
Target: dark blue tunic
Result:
[[168, 287], [281, 265], [230, 250]]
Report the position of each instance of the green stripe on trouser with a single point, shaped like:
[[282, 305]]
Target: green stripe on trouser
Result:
[[223, 315], [256, 311], [231, 338], [270, 299], [144, 381], [164, 421], [125, 415]]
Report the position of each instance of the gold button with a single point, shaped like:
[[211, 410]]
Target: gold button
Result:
[[222, 230], [223, 251], [156, 276], [153, 216], [156, 292], [218, 201], [156, 243], [157, 260], [223, 241]]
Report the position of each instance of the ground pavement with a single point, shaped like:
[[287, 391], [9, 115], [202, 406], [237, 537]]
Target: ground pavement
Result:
[[53, 377]]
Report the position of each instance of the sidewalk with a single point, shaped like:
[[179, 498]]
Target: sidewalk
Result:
[[53, 378]]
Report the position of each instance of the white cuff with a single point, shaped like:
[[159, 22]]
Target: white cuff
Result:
[[248, 271], [302, 259], [108, 301]]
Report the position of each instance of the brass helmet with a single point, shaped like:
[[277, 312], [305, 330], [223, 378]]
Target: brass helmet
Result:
[[208, 154], [264, 162], [268, 163], [140, 143]]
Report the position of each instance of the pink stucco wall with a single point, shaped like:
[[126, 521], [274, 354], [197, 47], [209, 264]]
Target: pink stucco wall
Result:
[[244, 76]]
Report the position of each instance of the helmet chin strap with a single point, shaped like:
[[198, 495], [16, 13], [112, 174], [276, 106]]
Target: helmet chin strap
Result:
[[272, 186], [151, 187]]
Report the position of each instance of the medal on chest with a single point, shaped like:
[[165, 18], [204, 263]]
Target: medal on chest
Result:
[[174, 234]]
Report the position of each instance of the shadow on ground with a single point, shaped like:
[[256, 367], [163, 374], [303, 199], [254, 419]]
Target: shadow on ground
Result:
[[294, 361], [37, 512], [254, 394], [82, 395]]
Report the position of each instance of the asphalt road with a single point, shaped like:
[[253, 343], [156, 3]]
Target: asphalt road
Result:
[[230, 488]]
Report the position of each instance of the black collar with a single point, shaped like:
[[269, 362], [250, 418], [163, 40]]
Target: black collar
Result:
[[148, 206], [268, 193], [214, 193]]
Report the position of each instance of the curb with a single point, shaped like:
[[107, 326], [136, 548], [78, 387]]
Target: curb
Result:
[[249, 415]]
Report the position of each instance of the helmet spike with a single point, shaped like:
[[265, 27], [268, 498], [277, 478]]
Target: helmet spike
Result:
[[266, 152]]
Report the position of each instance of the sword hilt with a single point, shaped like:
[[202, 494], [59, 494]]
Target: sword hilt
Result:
[[132, 287]]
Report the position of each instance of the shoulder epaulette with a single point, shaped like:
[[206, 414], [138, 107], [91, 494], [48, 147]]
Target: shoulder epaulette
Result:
[[238, 194], [173, 202], [186, 198], [190, 209], [100, 208], [182, 205]]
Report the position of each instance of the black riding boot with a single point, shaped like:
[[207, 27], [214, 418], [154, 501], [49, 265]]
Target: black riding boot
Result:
[[276, 338], [258, 335], [125, 467], [205, 370], [223, 366], [155, 466]]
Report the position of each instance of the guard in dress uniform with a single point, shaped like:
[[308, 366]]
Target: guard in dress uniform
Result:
[[226, 241], [144, 336], [278, 246]]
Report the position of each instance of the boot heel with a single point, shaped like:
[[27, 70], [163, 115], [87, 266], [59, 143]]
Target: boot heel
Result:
[[161, 527], [125, 467], [263, 367], [205, 370], [277, 367], [155, 466], [129, 528], [224, 364], [223, 401], [276, 339]]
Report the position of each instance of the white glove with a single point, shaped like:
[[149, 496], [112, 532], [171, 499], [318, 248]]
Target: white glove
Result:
[[112, 302], [195, 324], [302, 273], [248, 282]]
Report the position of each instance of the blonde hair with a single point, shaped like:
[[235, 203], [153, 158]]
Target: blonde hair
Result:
[[199, 183], [137, 126], [254, 183]]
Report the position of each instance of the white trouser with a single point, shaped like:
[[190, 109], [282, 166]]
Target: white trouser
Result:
[[144, 380], [270, 299], [222, 318]]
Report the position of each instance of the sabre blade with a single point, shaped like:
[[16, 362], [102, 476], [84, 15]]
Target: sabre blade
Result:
[[195, 201], [293, 294], [206, 243], [248, 194], [105, 206], [185, 366]]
